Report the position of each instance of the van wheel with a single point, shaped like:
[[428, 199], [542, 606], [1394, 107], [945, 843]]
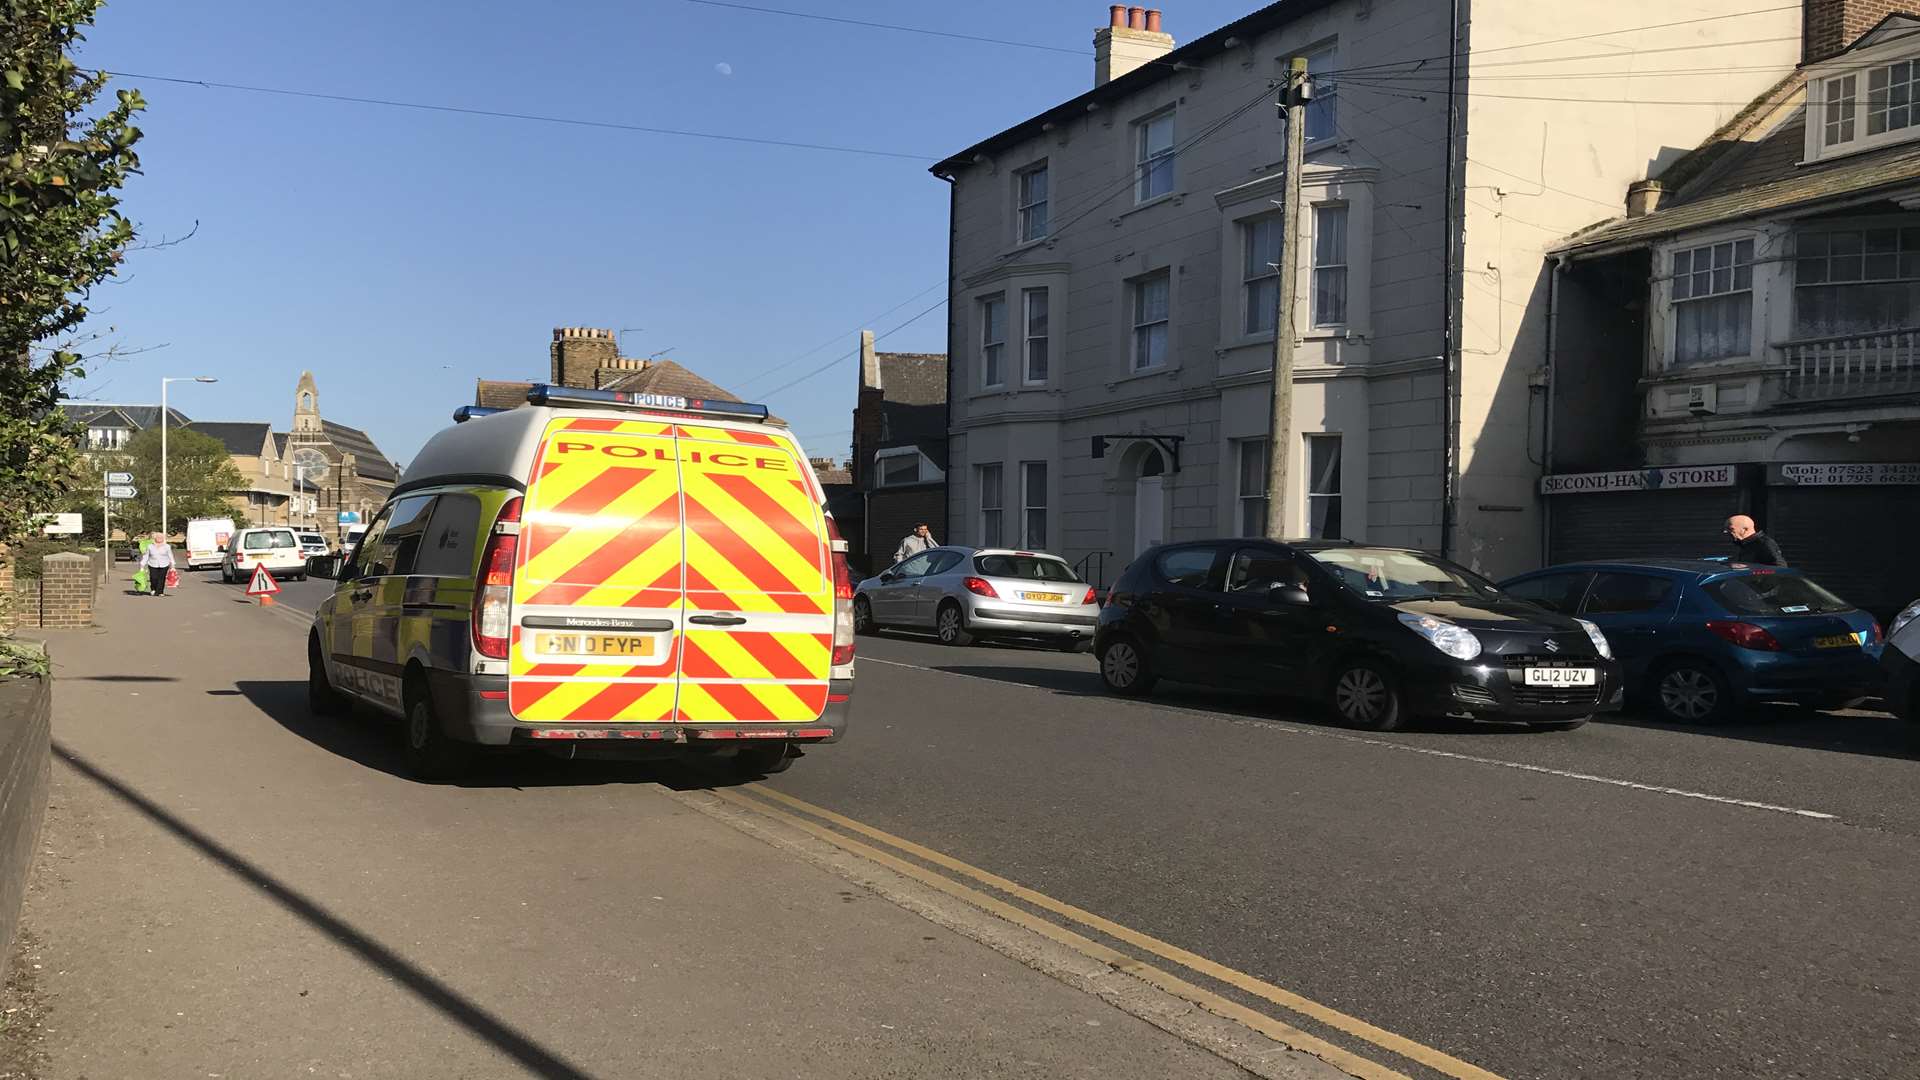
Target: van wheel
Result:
[[764, 760], [322, 698], [431, 756], [1365, 696], [862, 616], [1125, 669], [951, 625]]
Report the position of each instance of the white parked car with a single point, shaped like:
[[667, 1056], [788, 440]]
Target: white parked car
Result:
[[274, 546], [963, 593], [313, 545]]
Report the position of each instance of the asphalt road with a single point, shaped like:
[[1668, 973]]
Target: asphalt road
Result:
[[1624, 900]]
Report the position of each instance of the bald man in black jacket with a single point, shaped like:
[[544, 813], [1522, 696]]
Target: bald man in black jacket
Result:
[[1752, 546]]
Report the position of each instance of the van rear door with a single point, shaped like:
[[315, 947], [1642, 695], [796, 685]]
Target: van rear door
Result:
[[596, 624], [759, 580]]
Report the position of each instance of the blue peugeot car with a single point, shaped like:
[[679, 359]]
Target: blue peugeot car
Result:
[[1698, 638]]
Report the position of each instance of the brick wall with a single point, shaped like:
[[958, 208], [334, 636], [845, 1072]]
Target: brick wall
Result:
[[26, 712], [892, 514], [62, 597], [1829, 26], [7, 603]]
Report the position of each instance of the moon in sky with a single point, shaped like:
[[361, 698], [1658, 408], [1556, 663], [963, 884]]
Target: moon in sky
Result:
[[723, 68]]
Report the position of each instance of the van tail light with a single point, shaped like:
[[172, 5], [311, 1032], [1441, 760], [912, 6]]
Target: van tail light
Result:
[[980, 587], [493, 594], [842, 597], [1091, 597], [1744, 634]]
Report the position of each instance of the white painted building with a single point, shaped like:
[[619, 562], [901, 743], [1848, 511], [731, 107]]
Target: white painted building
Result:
[[1112, 290]]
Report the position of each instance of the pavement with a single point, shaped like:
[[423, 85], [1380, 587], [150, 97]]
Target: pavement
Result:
[[231, 888], [1625, 900]]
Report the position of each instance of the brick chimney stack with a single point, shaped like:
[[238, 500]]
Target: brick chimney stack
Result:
[[578, 352], [1130, 39], [1829, 26]]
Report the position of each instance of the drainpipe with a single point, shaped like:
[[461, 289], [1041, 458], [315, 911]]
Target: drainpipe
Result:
[[1553, 387], [953, 202], [1449, 456]]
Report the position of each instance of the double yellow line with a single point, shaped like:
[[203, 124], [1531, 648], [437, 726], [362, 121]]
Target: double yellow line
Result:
[[808, 818]]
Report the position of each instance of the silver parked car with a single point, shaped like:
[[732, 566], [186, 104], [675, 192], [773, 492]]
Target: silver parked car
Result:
[[963, 593]]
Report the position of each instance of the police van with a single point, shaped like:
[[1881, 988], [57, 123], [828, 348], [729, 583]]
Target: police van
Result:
[[598, 573]]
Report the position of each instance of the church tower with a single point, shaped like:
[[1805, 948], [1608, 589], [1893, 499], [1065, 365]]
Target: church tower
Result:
[[306, 408]]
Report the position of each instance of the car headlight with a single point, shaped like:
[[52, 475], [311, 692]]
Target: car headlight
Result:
[[1901, 620], [1456, 641], [1599, 639]]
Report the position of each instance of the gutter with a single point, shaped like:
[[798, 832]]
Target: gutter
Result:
[[1553, 385]]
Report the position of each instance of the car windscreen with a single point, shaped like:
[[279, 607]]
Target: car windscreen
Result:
[[1774, 594], [262, 541], [1028, 567], [1388, 576]]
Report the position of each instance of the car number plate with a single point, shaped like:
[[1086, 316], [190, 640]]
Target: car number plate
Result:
[[1051, 597], [1837, 641], [621, 645], [1561, 676]]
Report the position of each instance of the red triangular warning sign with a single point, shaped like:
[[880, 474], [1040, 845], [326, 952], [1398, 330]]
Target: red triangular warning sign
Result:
[[262, 583]]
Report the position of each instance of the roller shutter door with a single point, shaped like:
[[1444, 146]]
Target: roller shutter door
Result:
[[1857, 541], [1685, 524]]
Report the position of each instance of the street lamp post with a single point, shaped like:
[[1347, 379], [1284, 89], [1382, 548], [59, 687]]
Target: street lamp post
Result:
[[163, 441]]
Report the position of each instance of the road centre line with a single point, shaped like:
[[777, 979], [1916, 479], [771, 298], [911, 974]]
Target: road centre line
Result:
[[1272, 1028], [1565, 774], [1287, 999]]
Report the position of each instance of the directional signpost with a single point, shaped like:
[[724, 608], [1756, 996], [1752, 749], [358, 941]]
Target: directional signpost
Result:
[[121, 491], [119, 478], [263, 585], [119, 485]]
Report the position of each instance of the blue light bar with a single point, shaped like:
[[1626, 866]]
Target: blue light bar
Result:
[[472, 412], [543, 394]]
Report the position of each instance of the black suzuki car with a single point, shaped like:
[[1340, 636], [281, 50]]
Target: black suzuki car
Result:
[[1380, 634]]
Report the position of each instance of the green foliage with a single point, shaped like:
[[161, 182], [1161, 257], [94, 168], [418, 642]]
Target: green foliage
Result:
[[200, 476], [62, 164], [22, 658], [27, 554]]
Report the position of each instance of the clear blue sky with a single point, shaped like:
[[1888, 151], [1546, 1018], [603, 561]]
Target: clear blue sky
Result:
[[401, 254]]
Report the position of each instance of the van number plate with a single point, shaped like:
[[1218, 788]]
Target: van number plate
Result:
[[1560, 676], [1051, 597], [622, 645]]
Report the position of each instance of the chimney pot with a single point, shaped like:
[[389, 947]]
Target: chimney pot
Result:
[[1643, 197], [1117, 14], [1136, 18], [1153, 20]]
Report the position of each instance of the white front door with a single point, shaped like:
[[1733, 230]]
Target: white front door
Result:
[[1149, 513]]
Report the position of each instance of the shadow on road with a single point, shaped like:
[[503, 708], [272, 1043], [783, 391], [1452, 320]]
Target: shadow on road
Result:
[[1874, 734], [504, 1037], [373, 741], [120, 678]]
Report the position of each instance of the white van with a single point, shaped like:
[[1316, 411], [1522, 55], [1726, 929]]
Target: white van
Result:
[[207, 540], [274, 547]]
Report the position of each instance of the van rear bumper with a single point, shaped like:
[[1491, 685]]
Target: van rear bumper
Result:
[[473, 709]]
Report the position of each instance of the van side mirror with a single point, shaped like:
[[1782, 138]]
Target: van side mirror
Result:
[[1289, 595]]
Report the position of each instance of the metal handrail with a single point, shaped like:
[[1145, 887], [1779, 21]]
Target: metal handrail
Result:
[[1092, 568]]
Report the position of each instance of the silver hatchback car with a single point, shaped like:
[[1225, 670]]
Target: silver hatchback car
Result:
[[963, 593]]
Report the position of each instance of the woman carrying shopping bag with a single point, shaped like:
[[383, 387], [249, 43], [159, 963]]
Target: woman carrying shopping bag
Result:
[[157, 560]]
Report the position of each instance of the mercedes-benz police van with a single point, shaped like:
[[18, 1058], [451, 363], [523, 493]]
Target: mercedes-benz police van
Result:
[[599, 573]]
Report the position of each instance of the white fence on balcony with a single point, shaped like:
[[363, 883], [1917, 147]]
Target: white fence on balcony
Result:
[[1859, 365]]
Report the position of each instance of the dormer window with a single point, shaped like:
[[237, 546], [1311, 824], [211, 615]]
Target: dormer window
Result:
[[1867, 97], [1890, 97], [1840, 109]]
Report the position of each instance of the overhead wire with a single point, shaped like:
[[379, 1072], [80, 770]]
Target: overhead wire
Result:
[[887, 26]]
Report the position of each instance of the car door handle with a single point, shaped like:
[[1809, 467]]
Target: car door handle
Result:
[[717, 620]]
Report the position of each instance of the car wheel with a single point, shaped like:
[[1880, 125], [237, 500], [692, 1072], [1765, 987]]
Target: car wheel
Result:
[[1691, 692], [863, 616], [1365, 696], [322, 698], [431, 756], [1125, 669], [764, 759], [951, 625], [1559, 725]]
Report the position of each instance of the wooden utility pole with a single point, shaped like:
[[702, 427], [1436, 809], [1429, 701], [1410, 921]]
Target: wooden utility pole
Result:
[[1280, 426]]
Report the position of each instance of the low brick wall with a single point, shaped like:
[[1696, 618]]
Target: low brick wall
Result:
[[61, 598], [26, 712]]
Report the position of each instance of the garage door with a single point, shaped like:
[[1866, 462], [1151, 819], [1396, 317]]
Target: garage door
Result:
[[1685, 524], [1850, 540]]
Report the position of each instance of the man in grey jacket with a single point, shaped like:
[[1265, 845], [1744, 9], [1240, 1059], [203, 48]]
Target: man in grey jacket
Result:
[[917, 541]]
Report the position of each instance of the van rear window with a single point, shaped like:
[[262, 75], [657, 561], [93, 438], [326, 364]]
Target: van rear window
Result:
[[1775, 594], [262, 541], [1029, 567]]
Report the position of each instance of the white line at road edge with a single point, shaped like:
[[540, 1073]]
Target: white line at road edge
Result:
[[1283, 725]]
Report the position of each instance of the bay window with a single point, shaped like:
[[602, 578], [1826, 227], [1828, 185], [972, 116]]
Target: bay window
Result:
[[1713, 302]]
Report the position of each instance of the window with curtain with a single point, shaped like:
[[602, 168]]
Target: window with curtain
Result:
[[1153, 143], [1329, 266], [1033, 504], [1322, 120], [1252, 494], [1323, 487], [993, 341], [1713, 302], [1034, 303], [1260, 276], [992, 532], [1033, 202], [1150, 318], [1856, 281]]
